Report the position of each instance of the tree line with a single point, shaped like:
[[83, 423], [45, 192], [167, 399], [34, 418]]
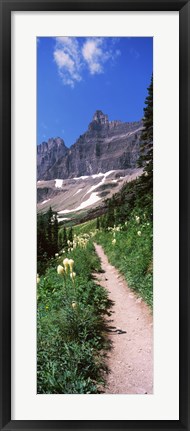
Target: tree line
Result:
[[139, 192], [50, 240]]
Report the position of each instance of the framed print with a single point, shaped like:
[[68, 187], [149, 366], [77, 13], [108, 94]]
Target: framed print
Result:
[[94, 215]]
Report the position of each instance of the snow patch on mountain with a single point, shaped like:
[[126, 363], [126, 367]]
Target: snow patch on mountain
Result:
[[58, 183], [92, 200], [78, 191], [44, 202]]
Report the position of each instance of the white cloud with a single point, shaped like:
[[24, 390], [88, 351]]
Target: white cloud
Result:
[[73, 56], [67, 58], [97, 51], [93, 54]]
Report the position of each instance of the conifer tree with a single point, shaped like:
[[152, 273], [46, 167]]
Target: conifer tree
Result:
[[41, 236], [55, 233], [110, 221], [64, 237], [97, 223], [50, 248], [145, 182], [70, 236]]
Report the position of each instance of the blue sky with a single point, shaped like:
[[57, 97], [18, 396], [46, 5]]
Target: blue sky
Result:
[[77, 76]]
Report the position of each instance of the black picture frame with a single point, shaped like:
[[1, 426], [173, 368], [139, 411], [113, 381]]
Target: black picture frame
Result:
[[6, 7]]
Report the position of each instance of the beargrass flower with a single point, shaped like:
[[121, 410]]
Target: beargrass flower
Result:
[[66, 264], [139, 233], [73, 275], [60, 270], [71, 263], [56, 254], [137, 218], [74, 304]]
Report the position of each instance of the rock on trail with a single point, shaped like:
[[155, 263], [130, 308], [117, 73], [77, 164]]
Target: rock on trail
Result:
[[130, 360]]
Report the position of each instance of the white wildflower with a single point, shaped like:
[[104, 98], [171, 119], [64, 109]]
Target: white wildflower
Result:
[[60, 270]]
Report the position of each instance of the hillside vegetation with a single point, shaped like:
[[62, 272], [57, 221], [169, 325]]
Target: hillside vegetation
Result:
[[71, 325], [72, 332]]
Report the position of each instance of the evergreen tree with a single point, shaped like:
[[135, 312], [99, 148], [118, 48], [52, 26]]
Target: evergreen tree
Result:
[[97, 223], [41, 236], [70, 236], [103, 222], [145, 182], [110, 220], [146, 149], [50, 247], [64, 237], [55, 233]]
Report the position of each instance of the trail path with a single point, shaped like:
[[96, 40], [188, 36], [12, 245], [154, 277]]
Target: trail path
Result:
[[131, 330]]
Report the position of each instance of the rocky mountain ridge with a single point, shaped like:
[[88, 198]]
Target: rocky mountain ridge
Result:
[[105, 146]]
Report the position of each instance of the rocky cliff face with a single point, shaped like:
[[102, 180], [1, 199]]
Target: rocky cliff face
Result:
[[48, 154], [106, 145]]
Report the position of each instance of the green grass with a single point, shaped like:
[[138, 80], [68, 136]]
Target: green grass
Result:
[[72, 341], [86, 227], [132, 253]]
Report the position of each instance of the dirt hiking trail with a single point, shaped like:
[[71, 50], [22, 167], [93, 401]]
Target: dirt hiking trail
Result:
[[130, 360]]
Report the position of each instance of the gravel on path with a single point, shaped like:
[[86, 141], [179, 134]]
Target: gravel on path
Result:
[[130, 360]]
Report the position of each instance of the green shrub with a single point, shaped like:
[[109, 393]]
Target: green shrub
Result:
[[72, 337], [132, 252]]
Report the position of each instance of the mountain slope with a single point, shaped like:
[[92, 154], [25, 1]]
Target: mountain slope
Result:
[[74, 196], [105, 146]]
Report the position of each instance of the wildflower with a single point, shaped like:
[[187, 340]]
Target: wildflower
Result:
[[125, 223], [56, 254], [66, 264], [60, 270], [139, 233], [114, 241], [74, 304], [73, 275], [71, 263], [63, 251], [38, 278], [137, 218]]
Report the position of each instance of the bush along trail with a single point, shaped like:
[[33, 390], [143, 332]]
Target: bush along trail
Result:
[[72, 343], [129, 248]]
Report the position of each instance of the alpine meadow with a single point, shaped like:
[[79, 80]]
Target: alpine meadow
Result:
[[95, 215]]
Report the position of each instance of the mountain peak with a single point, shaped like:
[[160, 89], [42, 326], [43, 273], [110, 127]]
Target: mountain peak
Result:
[[105, 146], [100, 117]]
